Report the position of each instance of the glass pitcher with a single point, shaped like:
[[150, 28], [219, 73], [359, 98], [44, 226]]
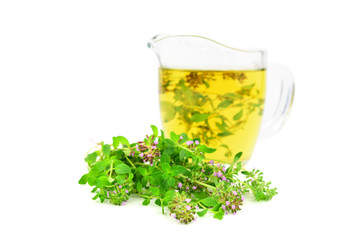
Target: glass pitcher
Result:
[[217, 93]]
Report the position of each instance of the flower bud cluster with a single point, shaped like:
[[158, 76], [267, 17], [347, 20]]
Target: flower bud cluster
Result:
[[188, 186], [191, 144], [120, 194], [219, 171], [182, 208], [147, 151], [230, 196]]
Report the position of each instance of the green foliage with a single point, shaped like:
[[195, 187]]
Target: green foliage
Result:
[[142, 171], [155, 131], [83, 179], [106, 150], [116, 142], [174, 137], [206, 149], [146, 202], [122, 169], [102, 181], [209, 201], [155, 191], [219, 215], [177, 175], [202, 213], [237, 157], [139, 187], [258, 186], [120, 139], [178, 169], [91, 158]]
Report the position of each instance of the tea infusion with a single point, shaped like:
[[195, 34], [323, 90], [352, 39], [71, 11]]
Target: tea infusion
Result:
[[223, 108]]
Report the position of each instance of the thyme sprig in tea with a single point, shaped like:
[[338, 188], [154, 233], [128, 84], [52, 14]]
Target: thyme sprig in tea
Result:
[[174, 173], [223, 108]]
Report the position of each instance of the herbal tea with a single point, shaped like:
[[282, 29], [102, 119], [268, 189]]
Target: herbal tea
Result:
[[223, 108]]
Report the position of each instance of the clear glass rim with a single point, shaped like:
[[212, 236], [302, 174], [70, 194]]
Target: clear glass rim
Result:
[[160, 37]]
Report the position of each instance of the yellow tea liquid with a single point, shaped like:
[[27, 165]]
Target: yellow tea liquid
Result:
[[222, 108]]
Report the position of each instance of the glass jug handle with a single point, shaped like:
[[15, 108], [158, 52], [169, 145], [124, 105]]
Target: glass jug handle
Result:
[[280, 88]]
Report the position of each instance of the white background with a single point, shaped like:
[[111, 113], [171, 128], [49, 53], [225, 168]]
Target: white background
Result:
[[71, 71]]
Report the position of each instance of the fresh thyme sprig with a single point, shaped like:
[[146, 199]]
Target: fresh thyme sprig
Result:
[[174, 172]]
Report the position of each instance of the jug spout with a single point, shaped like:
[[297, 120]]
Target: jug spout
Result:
[[152, 43], [200, 53]]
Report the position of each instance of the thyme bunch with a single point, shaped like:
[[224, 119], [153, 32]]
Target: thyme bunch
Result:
[[175, 173]]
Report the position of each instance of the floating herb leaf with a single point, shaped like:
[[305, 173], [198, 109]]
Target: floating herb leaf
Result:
[[199, 117]]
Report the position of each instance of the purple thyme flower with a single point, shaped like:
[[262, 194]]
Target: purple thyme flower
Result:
[[218, 165], [223, 207], [141, 154], [234, 213], [187, 188], [188, 200], [205, 178], [120, 186], [242, 198], [202, 170], [153, 147], [196, 207], [149, 155], [173, 215], [197, 142], [234, 192], [137, 148], [123, 204], [181, 137], [126, 191], [194, 187], [188, 207], [227, 203], [156, 142], [223, 178], [215, 174], [189, 143], [224, 169], [179, 184], [115, 192], [211, 162], [233, 207], [219, 174]]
